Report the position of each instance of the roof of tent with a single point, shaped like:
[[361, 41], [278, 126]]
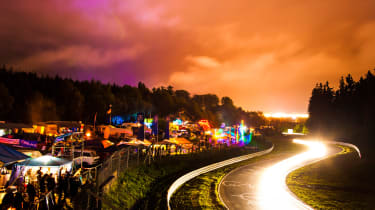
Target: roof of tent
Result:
[[107, 143], [178, 141], [46, 160], [9, 155], [136, 142]]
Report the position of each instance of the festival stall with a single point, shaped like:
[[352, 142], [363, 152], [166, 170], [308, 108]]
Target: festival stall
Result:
[[177, 143], [7, 157], [47, 163]]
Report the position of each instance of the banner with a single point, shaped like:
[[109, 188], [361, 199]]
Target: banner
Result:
[[28, 143], [9, 141]]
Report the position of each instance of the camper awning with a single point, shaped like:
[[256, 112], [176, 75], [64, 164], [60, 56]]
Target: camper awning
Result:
[[9, 155]]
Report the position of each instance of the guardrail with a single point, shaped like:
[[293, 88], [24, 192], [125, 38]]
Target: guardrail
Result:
[[185, 178], [348, 145]]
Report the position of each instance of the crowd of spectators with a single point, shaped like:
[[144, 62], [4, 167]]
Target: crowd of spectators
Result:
[[48, 192]]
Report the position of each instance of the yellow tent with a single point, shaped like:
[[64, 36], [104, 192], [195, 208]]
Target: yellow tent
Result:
[[107, 143], [178, 141]]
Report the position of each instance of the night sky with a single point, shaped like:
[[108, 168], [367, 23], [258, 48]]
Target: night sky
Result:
[[265, 55]]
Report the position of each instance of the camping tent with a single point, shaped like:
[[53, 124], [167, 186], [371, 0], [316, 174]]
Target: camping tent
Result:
[[9, 155]]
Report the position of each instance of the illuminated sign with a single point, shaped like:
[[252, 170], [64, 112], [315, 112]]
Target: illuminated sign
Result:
[[148, 122], [204, 124]]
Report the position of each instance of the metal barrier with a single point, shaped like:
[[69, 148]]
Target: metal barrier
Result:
[[118, 162], [348, 145], [185, 178]]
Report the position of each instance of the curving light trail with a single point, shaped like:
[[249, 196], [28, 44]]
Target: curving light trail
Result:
[[185, 178], [272, 190]]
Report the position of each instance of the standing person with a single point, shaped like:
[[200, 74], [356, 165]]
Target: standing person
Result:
[[39, 172], [60, 186], [73, 187], [39, 177], [51, 186], [42, 183], [31, 192], [8, 199], [18, 199], [66, 183], [51, 183]]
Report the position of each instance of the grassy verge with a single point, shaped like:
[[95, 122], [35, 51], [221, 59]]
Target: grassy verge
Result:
[[202, 193], [341, 182], [145, 187]]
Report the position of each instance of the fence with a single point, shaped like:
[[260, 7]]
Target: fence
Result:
[[118, 162]]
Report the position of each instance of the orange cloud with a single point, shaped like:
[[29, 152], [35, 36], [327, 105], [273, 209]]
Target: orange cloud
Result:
[[266, 55]]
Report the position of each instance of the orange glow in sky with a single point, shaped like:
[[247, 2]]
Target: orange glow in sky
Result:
[[266, 55], [285, 115]]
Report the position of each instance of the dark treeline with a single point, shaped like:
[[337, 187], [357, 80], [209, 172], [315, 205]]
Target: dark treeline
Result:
[[27, 97], [346, 113]]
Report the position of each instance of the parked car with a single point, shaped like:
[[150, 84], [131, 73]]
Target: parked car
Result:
[[89, 157]]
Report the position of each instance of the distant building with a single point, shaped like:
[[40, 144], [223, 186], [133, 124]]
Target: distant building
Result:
[[109, 130], [9, 128], [53, 128]]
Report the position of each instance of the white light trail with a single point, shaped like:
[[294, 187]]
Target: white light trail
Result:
[[185, 178], [273, 192]]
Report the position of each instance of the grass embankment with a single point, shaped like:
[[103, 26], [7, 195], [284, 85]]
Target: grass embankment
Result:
[[343, 181], [145, 187], [202, 193]]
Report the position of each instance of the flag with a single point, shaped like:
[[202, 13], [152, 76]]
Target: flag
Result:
[[141, 130], [110, 109], [167, 129], [155, 126]]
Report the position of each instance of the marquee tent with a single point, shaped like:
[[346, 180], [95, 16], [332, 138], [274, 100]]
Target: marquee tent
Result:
[[47, 163]]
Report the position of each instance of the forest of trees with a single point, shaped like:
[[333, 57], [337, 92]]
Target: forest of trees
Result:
[[27, 97], [347, 113]]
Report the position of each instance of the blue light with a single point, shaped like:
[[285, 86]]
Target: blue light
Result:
[[117, 120]]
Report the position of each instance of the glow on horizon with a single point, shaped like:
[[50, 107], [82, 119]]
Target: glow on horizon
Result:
[[286, 115]]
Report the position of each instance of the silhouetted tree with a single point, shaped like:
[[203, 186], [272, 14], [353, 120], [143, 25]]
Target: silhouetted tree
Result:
[[27, 97], [347, 112]]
